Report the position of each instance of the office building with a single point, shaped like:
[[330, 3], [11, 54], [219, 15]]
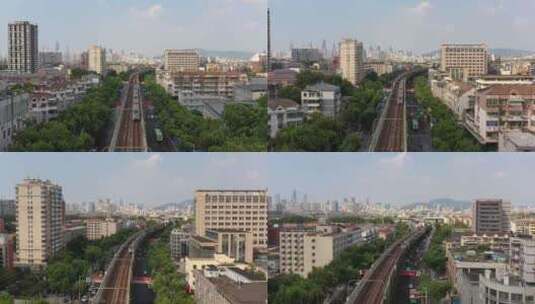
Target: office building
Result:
[[243, 210], [352, 60], [491, 217], [464, 61], [101, 228], [23, 46], [181, 60], [306, 55], [40, 218], [96, 59]]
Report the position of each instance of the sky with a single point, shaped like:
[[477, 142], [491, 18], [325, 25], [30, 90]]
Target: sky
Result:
[[147, 26], [416, 25], [155, 179]]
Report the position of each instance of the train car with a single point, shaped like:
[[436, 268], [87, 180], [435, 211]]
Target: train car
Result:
[[159, 135]]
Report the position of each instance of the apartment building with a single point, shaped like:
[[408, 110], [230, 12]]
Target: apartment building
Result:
[[8, 207], [201, 83], [352, 61], [96, 59], [464, 61], [283, 113], [236, 244], [524, 226], [23, 47], [100, 228], [491, 217], [181, 60], [302, 249], [503, 108], [457, 95], [321, 98], [40, 218], [243, 210]]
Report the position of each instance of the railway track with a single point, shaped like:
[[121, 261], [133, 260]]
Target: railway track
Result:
[[392, 137], [117, 291], [374, 286], [131, 133]]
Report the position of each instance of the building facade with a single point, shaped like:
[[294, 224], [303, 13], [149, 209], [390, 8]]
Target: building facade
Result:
[[463, 61], [491, 217], [321, 98], [96, 57], [40, 218], [181, 60], [283, 113], [243, 210], [23, 54], [101, 228], [352, 60]]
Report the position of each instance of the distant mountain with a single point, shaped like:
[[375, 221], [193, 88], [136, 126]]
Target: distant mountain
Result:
[[457, 205], [499, 52], [227, 54], [182, 204]]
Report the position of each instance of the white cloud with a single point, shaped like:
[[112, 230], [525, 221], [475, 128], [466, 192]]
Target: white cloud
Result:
[[422, 9], [152, 162], [151, 12], [397, 161]]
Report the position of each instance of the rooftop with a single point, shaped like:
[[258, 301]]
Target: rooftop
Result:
[[273, 104], [250, 293], [510, 89], [322, 86]]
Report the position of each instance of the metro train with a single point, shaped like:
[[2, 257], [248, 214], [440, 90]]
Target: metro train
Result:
[[136, 104]]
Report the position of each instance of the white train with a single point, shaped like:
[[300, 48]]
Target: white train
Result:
[[136, 103]]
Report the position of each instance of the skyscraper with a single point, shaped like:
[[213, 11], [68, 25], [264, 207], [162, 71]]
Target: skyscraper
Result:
[[97, 59], [40, 219], [23, 47], [352, 60]]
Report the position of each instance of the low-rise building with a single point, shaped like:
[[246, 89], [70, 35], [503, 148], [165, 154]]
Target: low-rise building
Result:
[[321, 98], [303, 249], [71, 233], [283, 113], [13, 112], [251, 91], [8, 207], [100, 228], [229, 285]]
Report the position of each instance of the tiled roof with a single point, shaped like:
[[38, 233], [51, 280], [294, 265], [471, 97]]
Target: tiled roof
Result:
[[273, 104], [510, 89]]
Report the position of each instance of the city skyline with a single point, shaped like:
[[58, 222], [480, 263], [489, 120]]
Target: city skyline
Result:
[[122, 25], [153, 179], [416, 25]]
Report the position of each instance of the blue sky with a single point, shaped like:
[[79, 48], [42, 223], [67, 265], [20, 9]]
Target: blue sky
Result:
[[416, 25], [395, 178], [144, 25]]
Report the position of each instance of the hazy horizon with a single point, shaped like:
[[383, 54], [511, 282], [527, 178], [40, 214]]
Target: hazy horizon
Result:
[[416, 25], [154, 179], [143, 26]]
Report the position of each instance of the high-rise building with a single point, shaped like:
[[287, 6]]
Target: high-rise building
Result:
[[97, 59], [23, 47], [491, 217], [463, 61], [40, 218], [243, 210], [181, 60], [352, 60]]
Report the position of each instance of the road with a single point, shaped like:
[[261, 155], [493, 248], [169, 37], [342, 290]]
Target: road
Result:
[[392, 137], [130, 135], [142, 294]]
